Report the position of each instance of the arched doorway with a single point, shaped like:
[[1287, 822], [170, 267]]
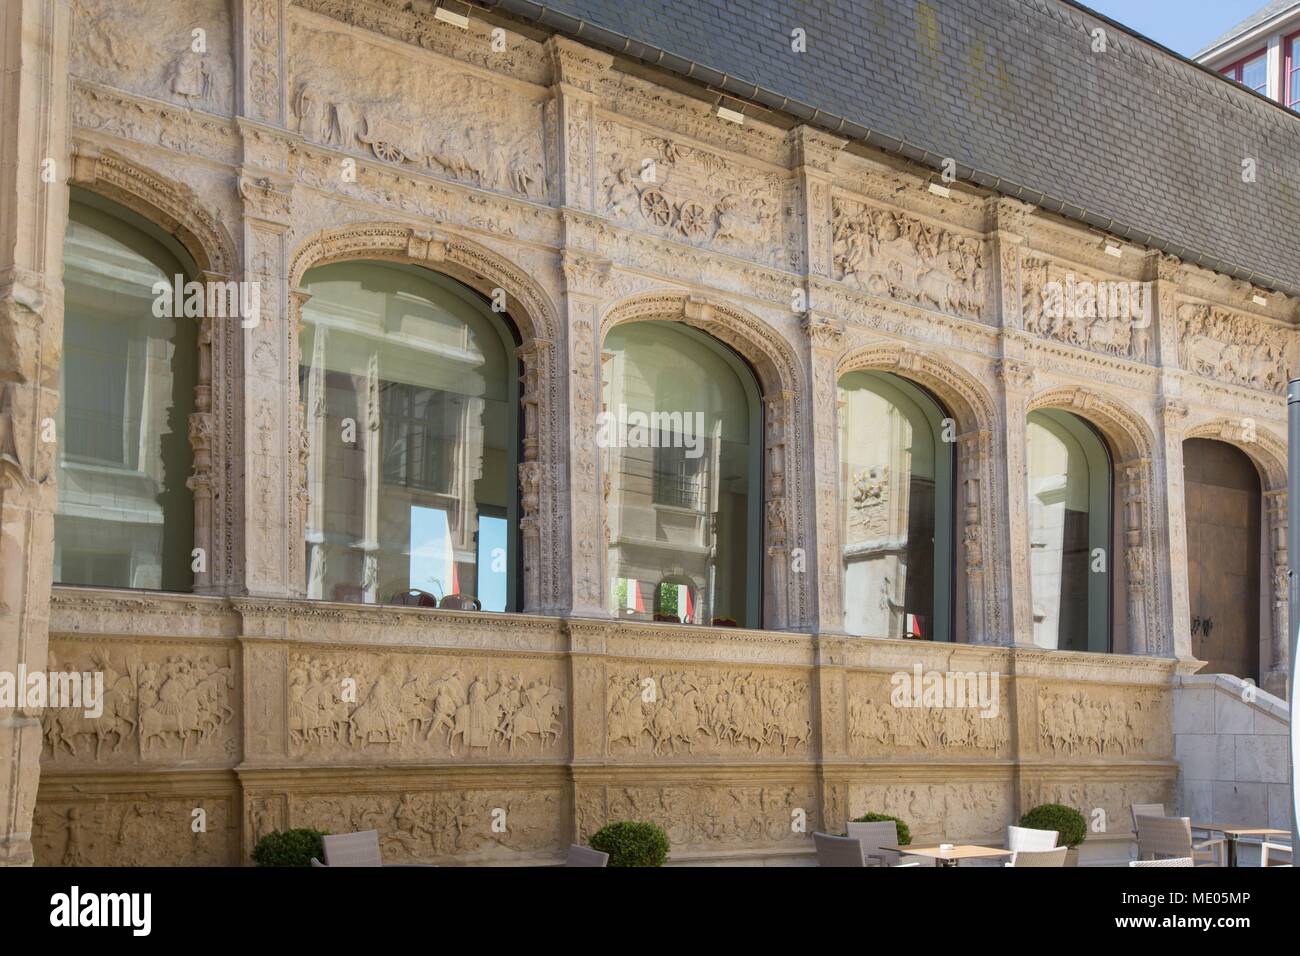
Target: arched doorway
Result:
[[1223, 502]]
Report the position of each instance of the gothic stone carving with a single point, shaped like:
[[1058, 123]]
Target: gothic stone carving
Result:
[[1233, 347], [1071, 306], [878, 728], [1103, 722], [893, 255], [659, 713]]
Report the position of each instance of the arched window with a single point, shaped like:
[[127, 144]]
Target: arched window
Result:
[[1069, 471], [410, 388], [682, 433], [896, 485], [1222, 493], [125, 517]]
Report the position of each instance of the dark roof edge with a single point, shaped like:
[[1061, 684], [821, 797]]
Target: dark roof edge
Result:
[[617, 43]]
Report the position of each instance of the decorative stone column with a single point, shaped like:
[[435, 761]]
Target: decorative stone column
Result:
[[1016, 378], [259, 40], [34, 39], [973, 456], [1134, 479], [1275, 667], [831, 733], [1173, 418], [1170, 574], [575, 70]]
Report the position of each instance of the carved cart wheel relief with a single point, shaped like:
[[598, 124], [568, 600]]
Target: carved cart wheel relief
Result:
[[655, 207], [692, 220]]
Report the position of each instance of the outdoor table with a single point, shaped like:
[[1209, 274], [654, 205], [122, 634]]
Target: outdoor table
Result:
[[1232, 834], [959, 852]]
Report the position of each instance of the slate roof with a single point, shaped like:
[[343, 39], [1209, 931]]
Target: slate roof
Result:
[[1138, 139], [1260, 16]]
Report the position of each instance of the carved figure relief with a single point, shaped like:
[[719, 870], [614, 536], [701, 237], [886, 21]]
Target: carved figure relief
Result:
[[1233, 347], [1061, 303], [148, 830], [877, 727], [1103, 723], [893, 255], [707, 711]]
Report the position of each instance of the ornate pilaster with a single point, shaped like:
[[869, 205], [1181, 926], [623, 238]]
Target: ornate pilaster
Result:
[[973, 457], [34, 39], [271, 460], [536, 358], [575, 69], [831, 732], [1016, 377], [824, 337], [1173, 420], [1274, 666], [584, 277], [1134, 480], [260, 43], [1005, 225]]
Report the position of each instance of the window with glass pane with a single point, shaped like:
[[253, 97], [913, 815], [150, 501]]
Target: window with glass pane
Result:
[[125, 517], [1069, 475], [1254, 73], [896, 489], [410, 388], [683, 461], [1291, 76]]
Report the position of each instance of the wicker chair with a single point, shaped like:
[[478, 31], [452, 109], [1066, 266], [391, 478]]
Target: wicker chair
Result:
[[874, 837], [1172, 861], [837, 850], [1158, 810], [585, 856], [355, 849], [1163, 837], [1053, 857], [1268, 852]]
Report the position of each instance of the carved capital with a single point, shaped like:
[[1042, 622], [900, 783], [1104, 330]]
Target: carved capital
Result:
[[266, 199], [583, 273], [576, 65], [823, 331], [814, 148]]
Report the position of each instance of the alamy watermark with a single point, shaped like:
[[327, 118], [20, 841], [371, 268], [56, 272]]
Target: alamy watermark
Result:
[[213, 299], [949, 689], [79, 690], [1097, 299], [637, 429]]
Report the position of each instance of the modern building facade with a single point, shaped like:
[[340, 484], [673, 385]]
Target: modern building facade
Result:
[[481, 430], [1262, 52]]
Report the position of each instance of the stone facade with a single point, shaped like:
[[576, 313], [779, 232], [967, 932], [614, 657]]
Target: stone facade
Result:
[[304, 136]]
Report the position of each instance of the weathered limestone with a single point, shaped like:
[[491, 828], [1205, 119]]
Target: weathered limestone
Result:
[[589, 196]]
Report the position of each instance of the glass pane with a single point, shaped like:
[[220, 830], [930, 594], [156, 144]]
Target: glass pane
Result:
[[409, 388], [1069, 529], [1254, 73], [896, 489], [125, 517], [681, 430]]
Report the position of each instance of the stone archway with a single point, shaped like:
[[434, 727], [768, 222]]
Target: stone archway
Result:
[[1138, 521], [787, 598], [986, 582], [213, 433], [543, 444]]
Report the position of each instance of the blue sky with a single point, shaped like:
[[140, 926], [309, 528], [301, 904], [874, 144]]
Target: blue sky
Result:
[[1184, 26]]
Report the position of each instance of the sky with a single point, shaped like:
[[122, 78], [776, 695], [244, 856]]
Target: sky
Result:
[[1185, 26]]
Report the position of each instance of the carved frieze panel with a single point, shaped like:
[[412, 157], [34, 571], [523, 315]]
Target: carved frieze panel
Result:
[[429, 826], [691, 194], [137, 829], [1084, 309], [162, 704], [1115, 723], [1114, 798], [129, 45], [877, 727], [352, 94], [892, 255], [1233, 347], [666, 712], [951, 811], [700, 817], [404, 706]]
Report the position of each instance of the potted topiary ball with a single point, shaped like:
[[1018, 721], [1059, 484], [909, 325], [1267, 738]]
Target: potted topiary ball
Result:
[[1070, 826], [632, 843], [904, 834], [290, 848]]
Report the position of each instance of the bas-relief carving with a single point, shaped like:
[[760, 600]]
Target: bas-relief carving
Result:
[[162, 703], [484, 135], [1114, 798], [128, 44], [705, 712], [1233, 347], [437, 825], [423, 706], [969, 810], [701, 817], [1104, 722], [691, 194], [134, 830], [1085, 317], [878, 728], [892, 255]]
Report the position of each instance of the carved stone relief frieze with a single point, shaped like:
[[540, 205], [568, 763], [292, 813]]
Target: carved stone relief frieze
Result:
[[484, 135], [137, 829], [1079, 308], [892, 255], [1104, 722], [161, 704], [964, 810], [701, 817], [691, 194], [659, 713], [876, 727], [1234, 347]]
